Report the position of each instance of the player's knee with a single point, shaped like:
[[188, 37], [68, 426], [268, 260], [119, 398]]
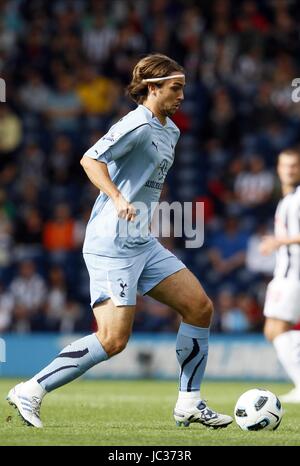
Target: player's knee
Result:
[[269, 333], [207, 309], [118, 346], [114, 344], [201, 312]]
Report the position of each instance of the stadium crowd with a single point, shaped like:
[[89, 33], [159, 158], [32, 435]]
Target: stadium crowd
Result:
[[66, 65]]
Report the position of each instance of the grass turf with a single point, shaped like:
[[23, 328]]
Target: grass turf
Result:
[[137, 413]]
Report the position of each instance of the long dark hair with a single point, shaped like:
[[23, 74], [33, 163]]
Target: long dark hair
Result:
[[152, 66]]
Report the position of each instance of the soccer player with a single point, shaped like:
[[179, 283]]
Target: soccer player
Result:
[[282, 305], [128, 165]]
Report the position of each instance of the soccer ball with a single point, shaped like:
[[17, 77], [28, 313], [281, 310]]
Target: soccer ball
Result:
[[258, 409]]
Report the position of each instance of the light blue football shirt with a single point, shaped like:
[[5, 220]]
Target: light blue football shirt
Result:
[[138, 151]]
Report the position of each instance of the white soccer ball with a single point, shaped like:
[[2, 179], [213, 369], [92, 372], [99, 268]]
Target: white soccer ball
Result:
[[258, 409]]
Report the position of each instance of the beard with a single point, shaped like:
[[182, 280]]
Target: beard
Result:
[[170, 111]]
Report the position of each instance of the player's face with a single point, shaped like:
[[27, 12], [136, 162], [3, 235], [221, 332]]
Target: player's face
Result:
[[289, 169], [170, 96]]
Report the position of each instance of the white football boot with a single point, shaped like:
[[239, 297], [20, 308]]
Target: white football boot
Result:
[[291, 397], [202, 414], [27, 405]]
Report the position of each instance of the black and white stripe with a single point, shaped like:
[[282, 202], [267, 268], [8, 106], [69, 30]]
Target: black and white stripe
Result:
[[70, 354], [56, 370], [287, 223], [193, 356]]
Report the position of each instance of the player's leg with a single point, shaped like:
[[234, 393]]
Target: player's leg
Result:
[[108, 285], [282, 311], [114, 328], [286, 342], [167, 280], [275, 327], [183, 292]]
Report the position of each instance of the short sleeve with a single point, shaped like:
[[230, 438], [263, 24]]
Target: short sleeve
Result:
[[114, 145]]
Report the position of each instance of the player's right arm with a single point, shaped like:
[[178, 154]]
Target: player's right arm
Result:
[[110, 147], [98, 174]]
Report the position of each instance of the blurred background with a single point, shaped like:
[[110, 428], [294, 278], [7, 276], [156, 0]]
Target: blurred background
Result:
[[66, 64]]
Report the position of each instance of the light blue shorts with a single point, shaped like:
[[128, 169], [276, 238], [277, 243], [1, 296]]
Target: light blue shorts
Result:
[[122, 278]]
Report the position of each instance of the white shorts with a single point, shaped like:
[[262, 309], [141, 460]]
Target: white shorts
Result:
[[283, 300]]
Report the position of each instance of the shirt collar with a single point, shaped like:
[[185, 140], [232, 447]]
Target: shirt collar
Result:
[[154, 117]]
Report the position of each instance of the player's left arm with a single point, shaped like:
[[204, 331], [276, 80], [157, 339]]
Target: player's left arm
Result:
[[271, 243], [286, 241]]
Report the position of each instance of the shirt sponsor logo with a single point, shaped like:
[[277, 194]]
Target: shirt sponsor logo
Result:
[[154, 184], [163, 169]]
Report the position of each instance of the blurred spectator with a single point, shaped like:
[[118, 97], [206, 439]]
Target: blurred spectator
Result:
[[58, 234], [60, 313], [27, 196], [6, 242], [63, 106], [285, 35], [34, 93], [61, 157], [222, 121], [254, 187], [57, 294], [219, 48], [71, 316], [263, 109], [98, 94], [6, 308], [255, 261], [227, 251], [29, 291], [252, 310], [6, 234], [80, 226], [153, 316], [10, 134], [28, 235], [232, 318], [250, 25], [7, 208], [32, 164], [7, 37], [98, 38]]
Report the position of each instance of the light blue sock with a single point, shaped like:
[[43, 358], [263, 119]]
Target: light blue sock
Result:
[[72, 361], [192, 352]]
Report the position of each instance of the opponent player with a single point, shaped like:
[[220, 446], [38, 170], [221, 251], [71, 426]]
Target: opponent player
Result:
[[282, 306], [128, 165]]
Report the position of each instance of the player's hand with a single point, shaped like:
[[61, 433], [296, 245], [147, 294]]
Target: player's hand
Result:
[[268, 245], [125, 210]]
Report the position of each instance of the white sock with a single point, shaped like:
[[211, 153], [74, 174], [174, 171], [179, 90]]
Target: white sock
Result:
[[188, 400], [287, 346], [33, 388]]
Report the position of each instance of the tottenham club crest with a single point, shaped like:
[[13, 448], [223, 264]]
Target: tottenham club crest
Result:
[[123, 287]]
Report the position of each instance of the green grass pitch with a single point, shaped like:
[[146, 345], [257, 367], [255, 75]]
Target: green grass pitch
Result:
[[120, 412]]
